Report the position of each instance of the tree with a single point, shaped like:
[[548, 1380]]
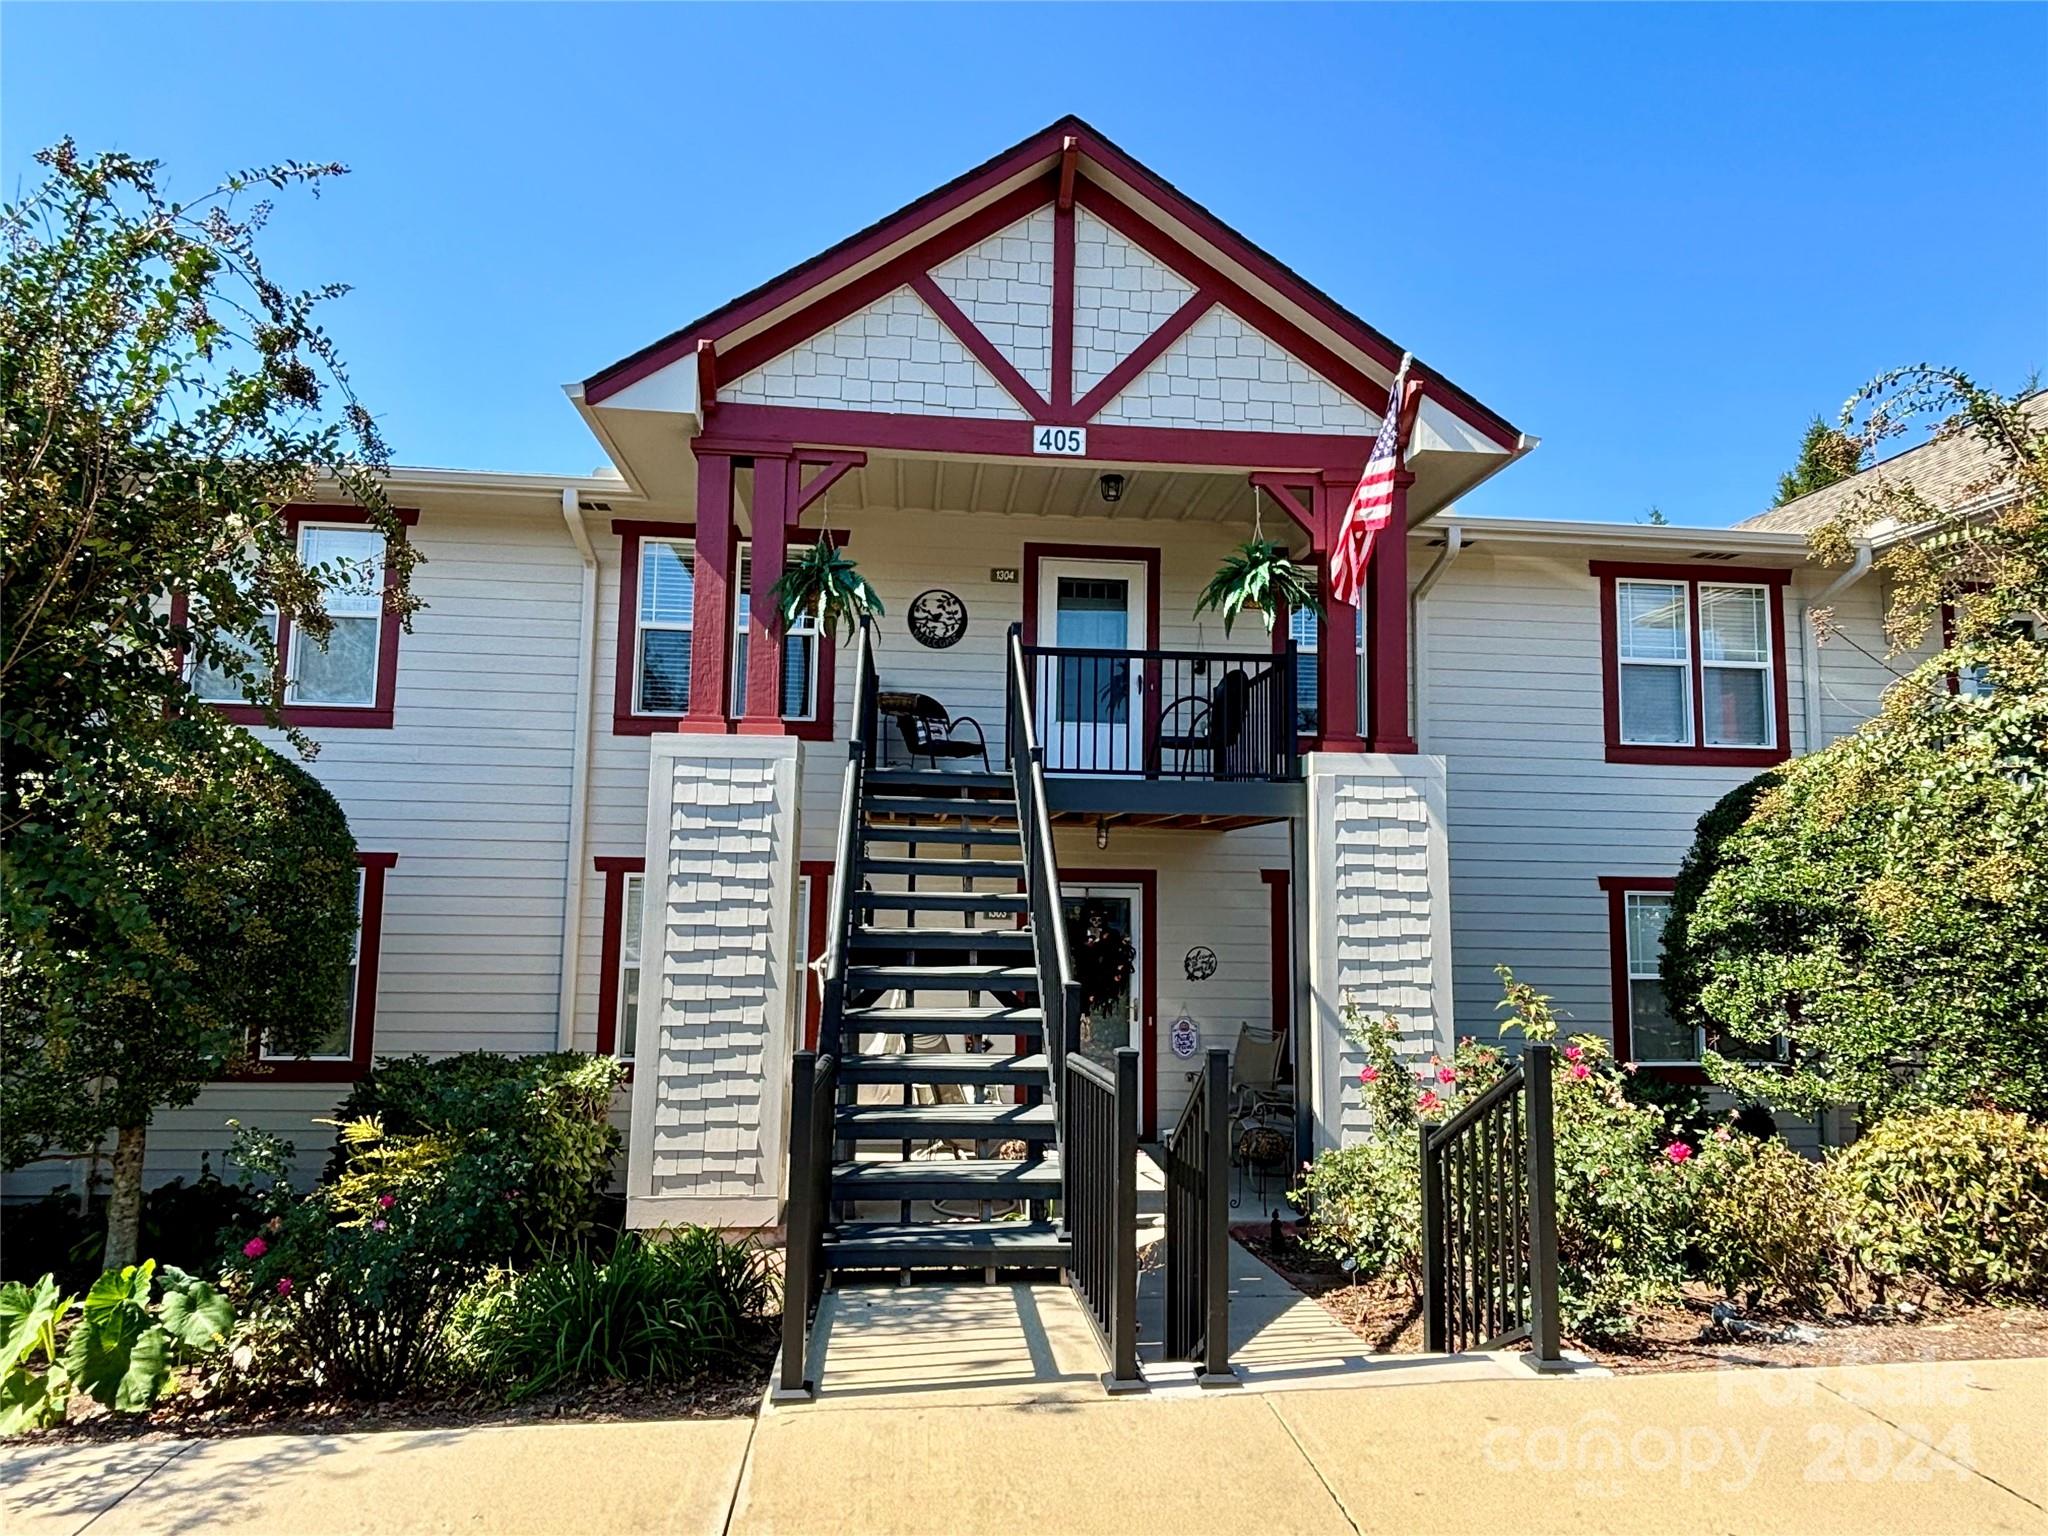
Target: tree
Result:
[[1881, 905], [164, 401], [1826, 455]]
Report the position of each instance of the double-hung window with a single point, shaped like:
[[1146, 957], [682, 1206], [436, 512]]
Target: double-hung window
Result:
[[1695, 665], [340, 1049], [628, 1029], [1305, 629], [661, 641], [1645, 1030], [799, 652]]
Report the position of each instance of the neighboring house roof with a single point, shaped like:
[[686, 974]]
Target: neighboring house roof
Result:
[[1944, 471]]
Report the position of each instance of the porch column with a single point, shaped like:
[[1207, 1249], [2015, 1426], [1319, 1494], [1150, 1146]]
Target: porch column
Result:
[[1386, 723], [773, 499], [711, 598], [1337, 654]]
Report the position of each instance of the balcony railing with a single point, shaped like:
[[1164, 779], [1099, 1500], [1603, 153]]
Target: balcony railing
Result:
[[1184, 716]]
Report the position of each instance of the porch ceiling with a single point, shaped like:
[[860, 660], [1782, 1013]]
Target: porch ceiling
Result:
[[1014, 489]]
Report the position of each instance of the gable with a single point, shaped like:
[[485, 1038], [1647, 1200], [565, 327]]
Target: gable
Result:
[[1122, 294], [1222, 374], [1004, 286]]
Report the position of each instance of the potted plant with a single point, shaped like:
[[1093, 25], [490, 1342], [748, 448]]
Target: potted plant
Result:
[[824, 583], [1258, 574]]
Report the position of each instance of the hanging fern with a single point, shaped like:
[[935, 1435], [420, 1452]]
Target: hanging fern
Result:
[[1258, 574], [822, 581]]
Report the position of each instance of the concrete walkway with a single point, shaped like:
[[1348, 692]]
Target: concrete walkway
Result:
[[1930, 1450]]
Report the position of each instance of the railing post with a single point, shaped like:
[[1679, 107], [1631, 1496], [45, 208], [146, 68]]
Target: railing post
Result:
[[799, 1222], [1215, 1235], [1123, 1231], [1432, 1244], [1545, 1339]]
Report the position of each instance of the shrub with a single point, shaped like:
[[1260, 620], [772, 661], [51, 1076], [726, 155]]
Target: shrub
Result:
[[182, 1224], [1763, 1221], [661, 1308], [529, 1137], [1954, 1197], [1364, 1206]]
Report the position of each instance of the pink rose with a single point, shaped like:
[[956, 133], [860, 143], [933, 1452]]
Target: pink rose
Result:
[[1678, 1152], [255, 1248], [1574, 1052], [1582, 1071], [1429, 1100], [1721, 1133], [1446, 1075], [284, 1285], [385, 1202], [1368, 1074], [379, 1224]]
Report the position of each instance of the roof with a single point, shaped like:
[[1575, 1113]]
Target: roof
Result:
[[1944, 471]]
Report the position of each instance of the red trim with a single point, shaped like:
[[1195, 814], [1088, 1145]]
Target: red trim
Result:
[[1063, 307], [915, 433], [833, 465], [1280, 903], [369, 949], [1386, 630], [1608, 572], [612, 948], [1147, 880], [1136, 554], [1144, 355], [1282, 488], [1617, 888], [773, 497], [631, 530], [970, 336], [819, 872]]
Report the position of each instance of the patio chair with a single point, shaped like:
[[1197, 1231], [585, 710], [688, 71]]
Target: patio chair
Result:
[[927, 729], [1197, 724], [1261, 1105]]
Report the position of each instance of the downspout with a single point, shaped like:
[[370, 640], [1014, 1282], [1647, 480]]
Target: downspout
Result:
[[579, 776], [1809, 643], [1454, 540]]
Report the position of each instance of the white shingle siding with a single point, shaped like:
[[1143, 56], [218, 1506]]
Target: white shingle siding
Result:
[[1223, 374], [1122, 294], [1004, 285], [894, 356]]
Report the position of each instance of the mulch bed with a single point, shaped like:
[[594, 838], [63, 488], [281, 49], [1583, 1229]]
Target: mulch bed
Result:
[[1388, 1318], [735, 1393]]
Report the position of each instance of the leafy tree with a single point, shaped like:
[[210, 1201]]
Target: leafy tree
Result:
[[165, 399], [1882, 904], [1826, 455]]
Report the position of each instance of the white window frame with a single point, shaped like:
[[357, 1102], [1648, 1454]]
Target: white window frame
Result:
[[1682, 662], [686, 550], [627, 1024], [1650, 969], [295, 648], [1767, 667], [355, 982], [192, 671], [801, 949]]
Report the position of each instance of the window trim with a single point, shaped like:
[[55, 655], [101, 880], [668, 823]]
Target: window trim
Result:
[[819, 873], [377, 715], [1609, 573], [612, 947], [369, 949], [628, 721], [1619, 888]]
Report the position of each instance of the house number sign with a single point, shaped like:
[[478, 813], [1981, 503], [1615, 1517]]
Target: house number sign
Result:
[[1070, 441]]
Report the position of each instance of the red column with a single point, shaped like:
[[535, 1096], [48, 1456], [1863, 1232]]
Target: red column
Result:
[[774, 495], [1386, 722], [1337, 654], [711, 611]]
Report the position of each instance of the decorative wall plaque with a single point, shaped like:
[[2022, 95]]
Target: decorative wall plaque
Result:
[[1184, 1037], [937, 619], [1201, 963]]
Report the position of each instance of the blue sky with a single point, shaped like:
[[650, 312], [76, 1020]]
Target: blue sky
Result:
[[1659, 238]]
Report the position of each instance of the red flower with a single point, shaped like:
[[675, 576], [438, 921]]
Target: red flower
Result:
[[1582, 1070], [1446, 1075], [1574, 1052], [255, 1248], [1678, 1152], [1429, 1100], [1368, 1074], [385, 1202], [284, 1285]]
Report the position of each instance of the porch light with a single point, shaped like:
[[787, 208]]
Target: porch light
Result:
[[1112, 487], [1102, 831]]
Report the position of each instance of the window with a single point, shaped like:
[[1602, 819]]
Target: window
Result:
[[618, 1004], [213, 685], [338, 1042], [342, 1052], [1975, 682], [1694, 666], [1644, 1029], [661, 663], [1305, 629], [629, 969], [799, 653]]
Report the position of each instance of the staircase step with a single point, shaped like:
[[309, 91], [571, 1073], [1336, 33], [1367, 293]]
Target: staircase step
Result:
[[947, 1178], [945, 1122], [940, 1244], [943, 901], [945, 1021], [946, 869], [930, 780], [940, 805], [948, 837], [867, 937], [970, 1067], [942, 978]]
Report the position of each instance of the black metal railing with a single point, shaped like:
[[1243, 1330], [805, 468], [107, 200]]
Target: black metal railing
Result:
[[1177, 715], [814, 1075], [1197, 1237], [814, 1087], [1099, 1202], [1058, 992], [1489, 1217]]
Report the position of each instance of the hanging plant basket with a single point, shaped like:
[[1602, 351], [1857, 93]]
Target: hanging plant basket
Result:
[[1259, 575], [823, 582]]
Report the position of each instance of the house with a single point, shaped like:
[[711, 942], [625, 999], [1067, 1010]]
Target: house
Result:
[[601, 794]]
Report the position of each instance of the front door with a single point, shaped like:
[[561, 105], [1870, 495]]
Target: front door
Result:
[[1104, 938], [1090, 708]]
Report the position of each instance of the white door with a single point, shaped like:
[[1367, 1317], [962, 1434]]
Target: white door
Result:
[[1090, 692]]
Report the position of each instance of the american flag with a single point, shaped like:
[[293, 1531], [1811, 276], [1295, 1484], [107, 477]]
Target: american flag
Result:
[[1371, 504]]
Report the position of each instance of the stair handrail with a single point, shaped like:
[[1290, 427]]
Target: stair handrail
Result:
[[1058, 992], [860, 756]]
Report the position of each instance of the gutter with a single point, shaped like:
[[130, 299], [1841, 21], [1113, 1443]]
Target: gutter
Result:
[[1809, 643], [1454, 541], [579, 774]]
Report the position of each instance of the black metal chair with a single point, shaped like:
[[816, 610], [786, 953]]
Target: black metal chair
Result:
[[1214, 724], [927, 729]]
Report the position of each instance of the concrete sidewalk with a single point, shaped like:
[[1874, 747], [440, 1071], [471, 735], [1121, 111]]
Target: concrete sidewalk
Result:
[[1912, 1449]]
